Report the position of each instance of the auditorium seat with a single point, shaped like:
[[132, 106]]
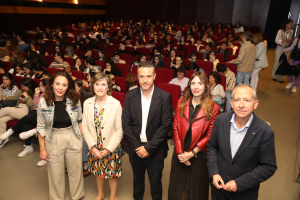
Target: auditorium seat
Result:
[[111, 48], [172, 89], [70, 61], [11, 123], [189, 73], [37, 81], [101, 64], [130, 49], [120, 81], [163, 75], [164, 53], [179, 52], [52, 70], [125, 68], [145, 51], [134, 70], [109, 55], [187, 62], [220, 57], [136, 57], [49, 60], [119, 96], [126, 57], [7, 66], [77, 74], [167, 62], [18, 80], [95, 55], [231, 57], [200, 56], [78, 52], [50, 50], [205, 65]]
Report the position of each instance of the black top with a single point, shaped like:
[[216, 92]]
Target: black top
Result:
[[166, 42], [116, 72], [188, 136], [45, 73], [61, 117], [124, 51]]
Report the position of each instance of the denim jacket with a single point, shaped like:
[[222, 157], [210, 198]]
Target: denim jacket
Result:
[[45, 117]]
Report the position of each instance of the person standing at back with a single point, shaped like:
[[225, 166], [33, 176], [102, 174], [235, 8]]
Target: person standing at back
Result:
[[245, 60], [146, 121]]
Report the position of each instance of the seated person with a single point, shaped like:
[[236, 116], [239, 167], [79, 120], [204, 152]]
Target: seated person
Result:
[[102, 55], [179, 62], [223, 50], [207, 49], [158, 61], [211, 57], [239, 28], [217, 90], [70, 52], [116, 58], [91, 65], [87, 82], [127, 42], [194, 56], [17, 70], [198, 44], [59, 61], [180, 80], [28, 72], [69, 71], [230, 83], [142, 58], [78, 65], [168, 40], [40, 72], [88, 54], [1, 68], [138, 44], [92, 33], [4, 55], [131, 81], [110, 68], [114, 86], [207, 39], [56, 50], [42, 46], [194, 67], [32, 48], [9, 86], [89, 44], [123, 49], [230, 45]]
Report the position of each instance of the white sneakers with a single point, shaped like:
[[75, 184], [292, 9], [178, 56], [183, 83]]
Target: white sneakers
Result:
[[5, 135], [28, 134], [41, 163], [3, 142], [27, 150], [289, 86]]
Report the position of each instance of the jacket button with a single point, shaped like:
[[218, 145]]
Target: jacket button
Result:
[[103, 138], [230, 163], [228, 176]]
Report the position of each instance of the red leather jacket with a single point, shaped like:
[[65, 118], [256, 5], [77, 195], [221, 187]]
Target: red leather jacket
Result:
[[201, 127]]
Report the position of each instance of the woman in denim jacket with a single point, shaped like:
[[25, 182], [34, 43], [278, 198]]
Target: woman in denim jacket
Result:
[[59, 117]]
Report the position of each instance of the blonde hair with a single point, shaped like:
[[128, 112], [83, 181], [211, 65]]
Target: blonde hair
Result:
[[257, 38], [3, 52], [111, 77], [70, 51]]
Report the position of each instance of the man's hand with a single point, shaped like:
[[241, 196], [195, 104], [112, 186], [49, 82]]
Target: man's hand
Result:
[[230, 186], [216, 179], [141, 152], [184, 157]]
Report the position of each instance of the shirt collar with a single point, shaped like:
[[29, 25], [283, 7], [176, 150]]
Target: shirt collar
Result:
[[150, 96], [232, 121]]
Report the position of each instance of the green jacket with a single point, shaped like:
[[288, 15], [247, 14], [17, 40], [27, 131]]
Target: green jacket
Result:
[[28, 99]]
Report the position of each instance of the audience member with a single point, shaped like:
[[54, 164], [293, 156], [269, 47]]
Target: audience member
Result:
[[59, 61], [110, 68], [69, 71], [211, 57], [223, 50], [208, 48], [102, 55], [40, 72], [231, 45], [239, 28], [131, 81], [9, 86], [217, 90], [116, 58], [114, 86], [180, 80], [78, 65], [245, 60], [70, 52], [4, 55]]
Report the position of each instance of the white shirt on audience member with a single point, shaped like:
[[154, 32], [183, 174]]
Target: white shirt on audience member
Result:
[[184, 82]]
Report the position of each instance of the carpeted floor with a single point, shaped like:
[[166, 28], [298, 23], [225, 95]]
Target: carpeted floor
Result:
[[22, 179]]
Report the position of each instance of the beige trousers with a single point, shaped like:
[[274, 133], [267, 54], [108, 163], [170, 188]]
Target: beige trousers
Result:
[[65, 146], [10, 113]]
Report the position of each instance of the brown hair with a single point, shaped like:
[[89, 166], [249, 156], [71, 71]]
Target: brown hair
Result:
[[100, 76], [206, 98], [68, 69], [20, 57], [3, 52], [216, 76], [131, 80], [257, 38], [173, 49], [112, 77], [70, 93]]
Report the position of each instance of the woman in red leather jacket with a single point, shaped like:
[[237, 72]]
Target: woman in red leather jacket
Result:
[[193, 123]]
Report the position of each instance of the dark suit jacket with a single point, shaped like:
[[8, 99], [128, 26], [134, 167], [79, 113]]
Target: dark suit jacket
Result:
[[253, 163], [225, 54], [158, 123]]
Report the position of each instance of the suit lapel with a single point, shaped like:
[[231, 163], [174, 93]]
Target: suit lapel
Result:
[[138, 105], [108, 107], [155, 103], [248, 137], [227, 126]]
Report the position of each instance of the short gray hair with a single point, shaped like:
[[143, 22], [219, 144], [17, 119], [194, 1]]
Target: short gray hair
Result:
[[146, 64], [245, 85]]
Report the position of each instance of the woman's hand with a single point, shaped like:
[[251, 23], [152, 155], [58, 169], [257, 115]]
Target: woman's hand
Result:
[[37, 90], [44, 155], [85, 83], [25, 94], [184, 157], [104, 153], [118, 88], [96, 153]]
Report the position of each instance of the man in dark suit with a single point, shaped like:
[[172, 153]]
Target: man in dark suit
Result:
[[223, 50], [146, 121], [241, 150]]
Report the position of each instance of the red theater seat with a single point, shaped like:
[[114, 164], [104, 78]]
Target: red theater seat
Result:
[[145, 51], [126, 57], [119, 96], [101, 64], [37, 81], [77, 74], [70, 61], [220, 57], [205, 65], [120, 81], [49, 60], [231, 57], [11, 123], [7, 66], [111, 48], [78, 52], [18, 80], [189, 73], [125, 68], [172, 89], [163, 75], [231, 66], [52, 70]]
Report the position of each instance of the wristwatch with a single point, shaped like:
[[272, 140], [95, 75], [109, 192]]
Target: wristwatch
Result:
[[194, 153]]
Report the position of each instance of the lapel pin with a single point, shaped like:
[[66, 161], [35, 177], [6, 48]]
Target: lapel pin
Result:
[[253, 133]]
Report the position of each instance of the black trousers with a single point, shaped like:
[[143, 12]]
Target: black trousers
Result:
[[154, 169], [216, 196], [27, 123], [226, 196]]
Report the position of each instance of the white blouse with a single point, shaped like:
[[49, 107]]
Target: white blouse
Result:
[[278, 38], [218, 90]]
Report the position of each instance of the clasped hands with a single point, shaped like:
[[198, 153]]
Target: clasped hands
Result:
[[142, 152], [230, 186], [100, 154], [185, 157]]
